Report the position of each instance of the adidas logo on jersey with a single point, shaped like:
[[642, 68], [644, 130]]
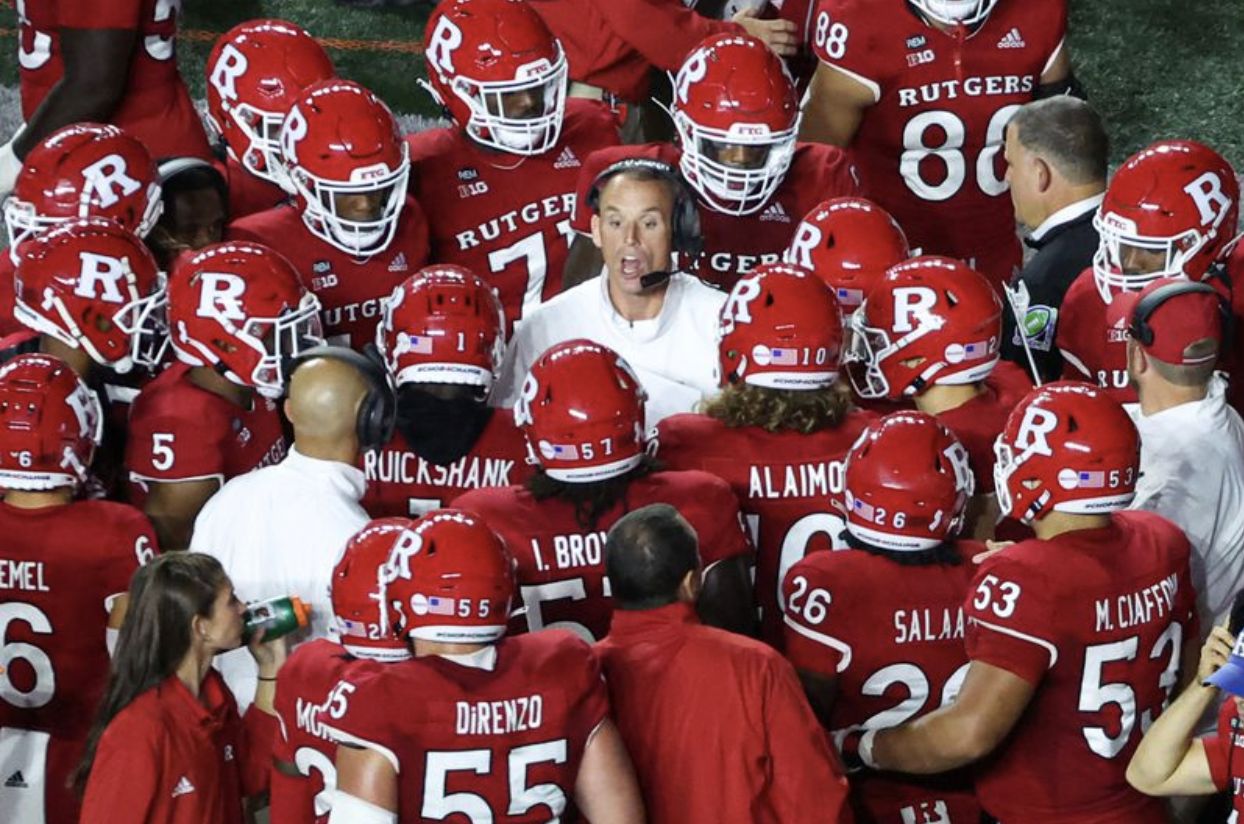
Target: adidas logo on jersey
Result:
[[566, 160], [184, 787], [399, 263], [16, 781], [1012, 40], [775, 212]]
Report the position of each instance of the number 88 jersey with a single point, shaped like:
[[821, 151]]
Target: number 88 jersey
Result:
[[1098, 621], [929, 148]]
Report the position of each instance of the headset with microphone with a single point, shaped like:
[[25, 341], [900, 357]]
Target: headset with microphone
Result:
[[377, 414], [1139, 328], [685, 219]]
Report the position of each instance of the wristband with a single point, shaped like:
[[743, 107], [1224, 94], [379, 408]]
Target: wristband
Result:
[[865, 749], [261, 678]]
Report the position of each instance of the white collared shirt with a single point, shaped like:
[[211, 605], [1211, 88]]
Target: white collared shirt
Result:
[[279, 531], [673, 354], [1066, 214], [1192, 472]]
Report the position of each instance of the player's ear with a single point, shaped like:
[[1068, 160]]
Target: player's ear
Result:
[[689, 587], [596, 231], [1045, 176]]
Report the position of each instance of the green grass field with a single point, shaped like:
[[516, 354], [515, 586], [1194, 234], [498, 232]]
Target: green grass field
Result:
[[1154, 68]]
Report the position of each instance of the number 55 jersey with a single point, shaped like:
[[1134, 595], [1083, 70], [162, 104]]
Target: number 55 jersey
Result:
[[929, 149], [493, 736], [1097, 620]]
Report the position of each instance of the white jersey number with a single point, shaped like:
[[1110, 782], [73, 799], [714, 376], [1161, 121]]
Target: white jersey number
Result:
[[439, 805], [917, 148], [44, 687], [1096, 693], [532, 250]]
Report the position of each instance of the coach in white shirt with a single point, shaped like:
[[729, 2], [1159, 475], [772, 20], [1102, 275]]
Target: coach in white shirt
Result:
[[1192, 443], [663, 324], [280, 530]]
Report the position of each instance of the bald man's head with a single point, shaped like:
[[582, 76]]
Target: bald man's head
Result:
[[323, 406]]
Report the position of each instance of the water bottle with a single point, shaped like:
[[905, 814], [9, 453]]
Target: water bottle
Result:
[[278, 616]]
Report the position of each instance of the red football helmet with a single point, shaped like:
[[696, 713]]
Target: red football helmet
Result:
[[93, 285], [1067, 447], [449, 578], [360, 613], [487, 58], [241, 308], [780, 328], [930, 320], [84, 170], [951, 12], [582, 410], [1176, 199], [340, 141], [255, 72], [908, 482], [50, 424], [849, 243], [442, 325], [737, 115]]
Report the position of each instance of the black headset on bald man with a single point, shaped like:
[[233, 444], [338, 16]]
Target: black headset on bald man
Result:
[[377, 413], [684, 220]]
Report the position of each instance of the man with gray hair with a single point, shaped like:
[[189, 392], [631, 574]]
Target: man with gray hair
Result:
[[754, 753], [1056, 152]]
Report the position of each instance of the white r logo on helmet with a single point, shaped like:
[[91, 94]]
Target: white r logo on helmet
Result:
[[1037, 424], [693, 70], [807, 238], [231, 65], [100, 273], [737, 308], [957, 454], [445, 39], [220, 293], [293, 130], [1206, 192], [912, 303], [398, 564], [105, 176], [522, 407]]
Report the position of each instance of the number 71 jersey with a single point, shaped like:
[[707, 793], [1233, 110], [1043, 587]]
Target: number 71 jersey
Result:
[[507, 218], [929, 150], [1097, 620]]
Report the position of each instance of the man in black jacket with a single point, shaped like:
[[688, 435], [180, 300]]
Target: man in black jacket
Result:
[[1056, 151]]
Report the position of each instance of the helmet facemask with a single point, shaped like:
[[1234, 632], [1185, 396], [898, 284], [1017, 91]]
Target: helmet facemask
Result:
[[734, 188], [952, 12], [360, 238], [262, 154], [1118, 234], [490, 124]]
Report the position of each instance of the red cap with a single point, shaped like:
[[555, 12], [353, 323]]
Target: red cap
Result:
[[1175, 324]]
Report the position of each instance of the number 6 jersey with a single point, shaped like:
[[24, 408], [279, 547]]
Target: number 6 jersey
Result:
[[929, 150], [1097, 620], [495, 736]]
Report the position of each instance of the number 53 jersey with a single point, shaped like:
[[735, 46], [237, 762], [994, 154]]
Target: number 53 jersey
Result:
[[1098, 621], [496, 736], [929, 149]]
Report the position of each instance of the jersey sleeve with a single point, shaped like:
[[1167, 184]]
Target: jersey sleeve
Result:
[[123, 783], [589, 698], [811, 618], [663, 31], [674, 442], [714, 513], [1218, 746], [845, 35], [167, 446], [135, 545], [364, 721], [1009, 620]]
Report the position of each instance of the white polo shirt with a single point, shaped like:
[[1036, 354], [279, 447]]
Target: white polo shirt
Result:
[[279, 531], [1192, 472], [674, 354]]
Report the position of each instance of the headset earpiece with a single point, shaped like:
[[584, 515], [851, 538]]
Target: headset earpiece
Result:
[[377, 414], [1139, 328]]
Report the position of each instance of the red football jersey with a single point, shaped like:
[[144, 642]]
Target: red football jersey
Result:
[[404, 485], [1094, 350], [350, 290], [181, 432], [561, 565], [501, 744], [248, 194], [505, 217], [733, 245], [60, 569], [929, 149], [892, 636], [155, 107], [789, 486], [1227, 768], [1096, 620], [978, 422], [304, 702]]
